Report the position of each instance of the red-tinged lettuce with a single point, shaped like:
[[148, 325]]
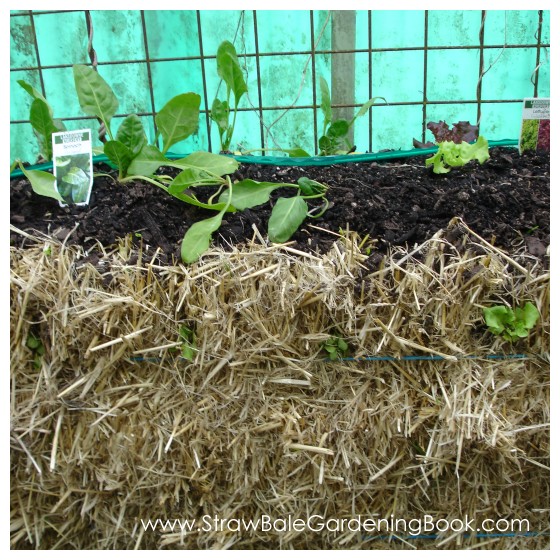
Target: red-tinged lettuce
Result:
[[462, 131], [450, 154]]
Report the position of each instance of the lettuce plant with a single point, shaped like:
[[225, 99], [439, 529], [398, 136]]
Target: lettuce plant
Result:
[[456, 146], [450, 154], [511, 324]]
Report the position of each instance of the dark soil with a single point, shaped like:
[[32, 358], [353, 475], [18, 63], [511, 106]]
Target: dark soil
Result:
[[397, 202]]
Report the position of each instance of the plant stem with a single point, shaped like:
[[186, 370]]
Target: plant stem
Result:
[[144, 178]]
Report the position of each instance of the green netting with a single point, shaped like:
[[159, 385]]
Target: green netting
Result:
[[429, 65]]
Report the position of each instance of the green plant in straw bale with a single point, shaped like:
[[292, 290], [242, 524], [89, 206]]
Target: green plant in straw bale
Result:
[[187, 338], [511, 324], [230, 72], [35, 344], [287, 214], [336, 347]]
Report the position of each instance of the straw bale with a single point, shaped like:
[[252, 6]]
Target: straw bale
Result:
[[111, 427]]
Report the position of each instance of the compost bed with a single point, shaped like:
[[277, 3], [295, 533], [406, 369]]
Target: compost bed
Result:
[[396, 202]]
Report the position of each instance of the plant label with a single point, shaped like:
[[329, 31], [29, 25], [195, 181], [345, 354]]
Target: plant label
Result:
[[535, 125], [73, 167]]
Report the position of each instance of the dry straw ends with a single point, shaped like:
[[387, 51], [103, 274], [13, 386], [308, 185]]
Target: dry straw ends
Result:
[[259, 423]]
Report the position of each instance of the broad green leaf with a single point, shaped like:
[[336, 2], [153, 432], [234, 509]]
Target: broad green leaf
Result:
[[286, 217], [147, 162], [297, 152], [65, 190], [249, 193], [41, 120], [325, 101], [198, 237], [327, 145], [191, 177], [32, 91], [80, 192], [42, 183], [528, 314], [131, 134], [309, 187], [220, 114], [119, 154], [338, 129], [342, 345], [230, 71], [63, 161], [213, 163], [94, 94], [498, 317], [178, 119], [61, 127]]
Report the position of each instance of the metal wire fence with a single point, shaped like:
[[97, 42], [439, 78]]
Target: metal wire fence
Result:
[[424, 63]]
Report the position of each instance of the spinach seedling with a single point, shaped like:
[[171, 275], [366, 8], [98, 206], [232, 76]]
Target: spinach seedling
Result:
[[129, 150], [230, 72], [511, 324], [42, 120], [334, 139]]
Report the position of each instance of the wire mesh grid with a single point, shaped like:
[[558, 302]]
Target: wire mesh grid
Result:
[[252, 54]]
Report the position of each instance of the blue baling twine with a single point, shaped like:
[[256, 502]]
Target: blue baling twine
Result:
[[382, 358]]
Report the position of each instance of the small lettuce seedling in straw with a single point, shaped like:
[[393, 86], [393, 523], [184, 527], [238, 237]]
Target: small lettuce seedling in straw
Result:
[[188, 343], [230, 72], [336, 347], [511, 324], [454, 147], [34, 343]]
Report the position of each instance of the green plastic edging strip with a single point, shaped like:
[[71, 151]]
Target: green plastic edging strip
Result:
[[300, 162]]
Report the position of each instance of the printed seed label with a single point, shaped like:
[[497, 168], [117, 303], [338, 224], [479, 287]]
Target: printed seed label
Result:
[[535, 125], [73, 167]]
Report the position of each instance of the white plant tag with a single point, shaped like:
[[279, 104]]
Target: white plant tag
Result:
[[73, 167]]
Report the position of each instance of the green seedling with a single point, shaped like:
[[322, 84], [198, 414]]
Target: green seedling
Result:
[[230, 72], [334, 139], [188, 346], [336, 347], [42, 120], [511, 324], [38, 350]]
